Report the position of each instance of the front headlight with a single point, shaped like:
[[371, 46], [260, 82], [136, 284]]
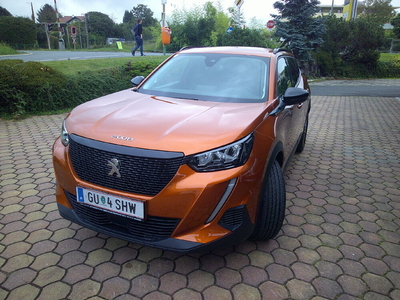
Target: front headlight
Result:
[[64, 135], [227, 157]]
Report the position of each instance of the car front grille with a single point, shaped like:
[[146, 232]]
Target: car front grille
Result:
[[141, 171], [151, 229]]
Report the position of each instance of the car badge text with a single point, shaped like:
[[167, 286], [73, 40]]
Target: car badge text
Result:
[[115, 164], [121, 137]]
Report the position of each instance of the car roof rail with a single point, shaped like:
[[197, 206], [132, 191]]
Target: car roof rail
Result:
[[276, 50]]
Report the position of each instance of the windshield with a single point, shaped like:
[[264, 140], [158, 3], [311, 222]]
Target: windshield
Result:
[[211, 77]]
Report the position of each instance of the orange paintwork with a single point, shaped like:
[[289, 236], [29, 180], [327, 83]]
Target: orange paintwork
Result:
[[160, 123]]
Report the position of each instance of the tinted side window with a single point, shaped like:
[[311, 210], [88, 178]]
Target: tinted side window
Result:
[[294, 70], [284, 79]]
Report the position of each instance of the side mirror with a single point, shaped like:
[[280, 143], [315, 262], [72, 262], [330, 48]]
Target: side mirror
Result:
[[292, 96], [137, 80], [295, 95]]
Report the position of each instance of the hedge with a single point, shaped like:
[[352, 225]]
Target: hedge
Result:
[[33, 87]]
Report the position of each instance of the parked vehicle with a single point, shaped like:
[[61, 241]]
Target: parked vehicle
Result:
[[192, 157]]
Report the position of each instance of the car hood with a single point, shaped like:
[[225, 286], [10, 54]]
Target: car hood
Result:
[[161, 123]]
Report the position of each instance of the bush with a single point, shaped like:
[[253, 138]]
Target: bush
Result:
[[244, 37], [17, 31], [32, 87], [23, 83]]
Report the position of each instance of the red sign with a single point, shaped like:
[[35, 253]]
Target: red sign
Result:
[[73, 30], [270, 24]]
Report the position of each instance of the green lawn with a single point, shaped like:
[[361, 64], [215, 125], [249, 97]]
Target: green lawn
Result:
[[6, 50], [386, 57], [70, 67]]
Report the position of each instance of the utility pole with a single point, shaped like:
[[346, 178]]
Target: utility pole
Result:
[[61, 43], [163, 2], [239, 4]]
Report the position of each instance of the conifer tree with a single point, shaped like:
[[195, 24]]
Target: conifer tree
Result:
[[298, 29]]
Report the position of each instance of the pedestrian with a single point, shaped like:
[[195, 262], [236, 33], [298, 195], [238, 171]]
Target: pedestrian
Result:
[[137, 32]]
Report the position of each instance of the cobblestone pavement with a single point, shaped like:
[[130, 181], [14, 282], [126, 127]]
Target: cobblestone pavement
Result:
[[340, 239], [364, 82]]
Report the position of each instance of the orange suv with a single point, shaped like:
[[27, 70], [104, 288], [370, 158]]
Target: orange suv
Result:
[[192, 157]]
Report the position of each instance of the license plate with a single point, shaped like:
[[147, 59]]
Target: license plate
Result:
[[111, 203]]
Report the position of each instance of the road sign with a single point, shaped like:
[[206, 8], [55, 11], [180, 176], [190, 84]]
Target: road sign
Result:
[[239, 3], [270, 24]]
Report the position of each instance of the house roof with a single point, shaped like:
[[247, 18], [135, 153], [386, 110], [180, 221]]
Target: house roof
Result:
[[70, 19]]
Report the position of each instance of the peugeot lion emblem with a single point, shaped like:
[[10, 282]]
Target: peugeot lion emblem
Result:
[[115, 164]]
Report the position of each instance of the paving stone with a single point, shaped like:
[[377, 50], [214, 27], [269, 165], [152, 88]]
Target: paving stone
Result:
[[172, 282], [19, 278], [211, 263], [114, 287], [273, 291], [352, 285], [56, 290], [244, 291], [236, 260], [49, 275], [45, 260], [300, 289], [185, 294], [328, 270], [200, 280], [253, 276], [85, 289], [26, 292], [143, 285], [78, 273], [132, 269], [327, 288], [185, 265], [279, 274], [378, 283], [157, 296], [284, 257], [98, 256], [215, 292], [227, 278]]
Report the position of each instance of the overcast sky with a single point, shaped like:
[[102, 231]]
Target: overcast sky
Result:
[[116, 8]]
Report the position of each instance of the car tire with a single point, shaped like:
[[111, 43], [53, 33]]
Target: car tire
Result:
[[271, 210], [302, 142]]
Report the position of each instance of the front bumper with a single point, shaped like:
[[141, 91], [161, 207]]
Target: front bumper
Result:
[[140, 232]]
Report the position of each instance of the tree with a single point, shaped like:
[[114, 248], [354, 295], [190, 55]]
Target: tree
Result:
[[380, 11], [128, 17], [244, 37], [46, 14], [395, 22], [146, 14], [100, 24], [235, 19], [350, 46], [17, 31], [201, 26], [4, 12], [296, 27]]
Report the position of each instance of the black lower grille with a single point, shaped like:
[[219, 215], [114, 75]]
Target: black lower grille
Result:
[[152, 229], [232, 218], [141, 171]]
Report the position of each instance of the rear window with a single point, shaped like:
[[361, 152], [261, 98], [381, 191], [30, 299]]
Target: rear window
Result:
[[211, 77]]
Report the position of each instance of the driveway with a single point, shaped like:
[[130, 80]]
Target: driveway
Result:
[[340, 239], [367, 87]]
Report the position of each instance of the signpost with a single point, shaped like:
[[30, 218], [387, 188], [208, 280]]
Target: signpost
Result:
[[239, 4]]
